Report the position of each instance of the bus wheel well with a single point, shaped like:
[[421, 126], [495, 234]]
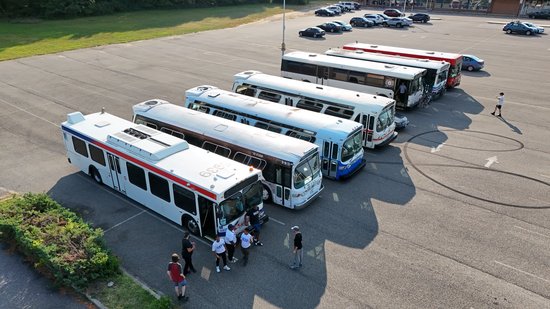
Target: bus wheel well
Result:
[[266, 194], [382, 95], [190, 224], [305, 80], [94, 173]]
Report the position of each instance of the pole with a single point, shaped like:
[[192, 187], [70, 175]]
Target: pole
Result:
[[283, 46]]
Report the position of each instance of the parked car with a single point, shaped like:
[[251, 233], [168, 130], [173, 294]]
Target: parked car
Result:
[[472, 63], [539, 29], [398, 22], [420, 17], [343, 25], [324, 12], [384, 16], [342, 7], [361, 22], [336, 9], [543, 14], [393, 13], [519, 27], [330, 27], [401, 121], [375, 18], [348, 6], [313, 32]]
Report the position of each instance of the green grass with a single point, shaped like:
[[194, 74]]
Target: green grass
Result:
[[125, 293], [38, 37]]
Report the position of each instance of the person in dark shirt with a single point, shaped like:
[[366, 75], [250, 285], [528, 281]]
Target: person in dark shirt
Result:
[[253, 218], [187, 248], [297, 250]]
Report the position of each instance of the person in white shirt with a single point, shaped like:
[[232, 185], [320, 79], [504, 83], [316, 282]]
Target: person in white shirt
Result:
[[500, 102], [218, 248], [230, 243], [246, 242]]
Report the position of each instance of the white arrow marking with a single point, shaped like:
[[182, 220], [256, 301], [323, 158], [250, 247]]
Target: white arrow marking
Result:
[[490, 161], [438, 148]]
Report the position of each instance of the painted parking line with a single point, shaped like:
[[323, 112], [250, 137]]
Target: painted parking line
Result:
[[546, 176], [522, 271], [124, 221], [532, 232], [276, 221]]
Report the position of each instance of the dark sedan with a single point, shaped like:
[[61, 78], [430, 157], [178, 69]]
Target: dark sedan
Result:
[[313, 32], [361, 22], [330, 27], [544, 14], [519, 27], [420, 17], [393, 13], [324, 12]]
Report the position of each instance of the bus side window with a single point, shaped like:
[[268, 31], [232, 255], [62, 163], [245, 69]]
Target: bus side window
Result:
[[136, 176], [269, 96], [159, 187], [242, 158], [80, 146], [246, 90], [334, 151], [222, 151], [326, 149], [257, 163], [184, 199], [97, 154]]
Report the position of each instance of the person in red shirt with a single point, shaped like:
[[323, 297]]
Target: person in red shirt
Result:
[[175, 273]]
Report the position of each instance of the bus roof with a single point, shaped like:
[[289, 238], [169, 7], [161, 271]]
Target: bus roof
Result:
[[191, 167], [327, 93], [438, 65], [269, 143], [397, 71], [427, 53], [312, 121]]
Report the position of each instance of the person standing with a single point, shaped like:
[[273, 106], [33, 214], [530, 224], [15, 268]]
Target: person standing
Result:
[[187, 248], [403, 93], [175, 273], [246, 242], [297, 250], [253, 219], [218, 248], [500, 102], [231, 242]]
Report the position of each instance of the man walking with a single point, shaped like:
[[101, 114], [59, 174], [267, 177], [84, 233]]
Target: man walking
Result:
[[403, 93], [231, 243], [500, 102], [175, 273], [187, 248], [218, 247], [297, 250], [253, 218], [246, 242]]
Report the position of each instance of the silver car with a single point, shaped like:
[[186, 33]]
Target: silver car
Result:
[[377, 19], [398, 22], [345, 27], [537, 28]]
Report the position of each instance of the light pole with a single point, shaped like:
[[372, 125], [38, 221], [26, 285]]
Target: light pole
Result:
[[283, 46]]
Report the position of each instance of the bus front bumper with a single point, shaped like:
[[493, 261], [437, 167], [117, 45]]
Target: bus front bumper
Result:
[[310, 200], [359, 167], [389, 140]]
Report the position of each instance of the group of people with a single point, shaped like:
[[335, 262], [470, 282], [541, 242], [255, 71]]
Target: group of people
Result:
[[224, 251]]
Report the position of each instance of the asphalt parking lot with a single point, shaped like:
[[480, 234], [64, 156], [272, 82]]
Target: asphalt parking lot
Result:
[[453, 214]]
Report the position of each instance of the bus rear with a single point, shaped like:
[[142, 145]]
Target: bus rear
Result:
[[455, 60]]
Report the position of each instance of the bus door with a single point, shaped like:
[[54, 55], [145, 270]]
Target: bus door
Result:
[[282, 186], [116, 173], [322, 75], [329, 164], [368, 127], [207, 217]]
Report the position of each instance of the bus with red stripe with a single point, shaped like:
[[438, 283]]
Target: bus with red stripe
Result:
[[455, 60], [190, 186]]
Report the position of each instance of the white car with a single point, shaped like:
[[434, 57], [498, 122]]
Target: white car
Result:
[[539, 29], [345, 27], [398, 22], [375, 18], [336, 9]]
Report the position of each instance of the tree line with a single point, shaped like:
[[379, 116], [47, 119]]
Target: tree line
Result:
[[75, 8]]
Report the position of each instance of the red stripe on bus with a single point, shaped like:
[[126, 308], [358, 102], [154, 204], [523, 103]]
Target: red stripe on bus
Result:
[[158, 171]]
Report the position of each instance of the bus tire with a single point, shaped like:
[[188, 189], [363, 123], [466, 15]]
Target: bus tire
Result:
[[94, 173], [266, 195], [191, 225]]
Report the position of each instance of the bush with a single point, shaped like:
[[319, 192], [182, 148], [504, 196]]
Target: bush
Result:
[[56, 240]]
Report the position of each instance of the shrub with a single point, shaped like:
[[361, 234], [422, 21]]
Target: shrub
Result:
[[56, 240]]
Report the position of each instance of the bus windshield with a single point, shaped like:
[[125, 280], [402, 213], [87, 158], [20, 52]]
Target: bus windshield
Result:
[[306, 171], [352, 146], [442, 76], [385, 119], [253, 195], [455, 69]]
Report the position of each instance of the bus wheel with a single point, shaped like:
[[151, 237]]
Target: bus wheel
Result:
[[191, 225], [94, 173], [266, 195]]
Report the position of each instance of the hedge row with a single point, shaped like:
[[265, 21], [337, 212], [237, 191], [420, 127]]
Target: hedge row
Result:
[[74, 8], [56, 240]]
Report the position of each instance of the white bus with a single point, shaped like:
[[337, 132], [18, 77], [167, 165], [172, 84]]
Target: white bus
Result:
[[436, 71], [200, 190], [291, 168], [375, 113], [338, 139], [364, 76]]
